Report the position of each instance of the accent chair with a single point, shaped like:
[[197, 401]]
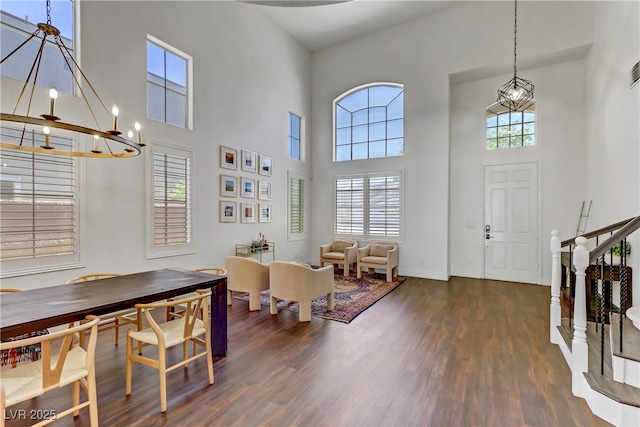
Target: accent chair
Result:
[[381, 255], [246, 275], [339, 251], [291, 281]]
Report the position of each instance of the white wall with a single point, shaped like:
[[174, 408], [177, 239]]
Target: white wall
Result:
[[422, 55], [613, 120], [559, 149], [248, 75]]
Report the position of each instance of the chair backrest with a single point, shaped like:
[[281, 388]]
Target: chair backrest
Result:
[[92, 276], [63, 341], [381, 249], [339, 245], [218, 271], [192, 306], [242, 270]]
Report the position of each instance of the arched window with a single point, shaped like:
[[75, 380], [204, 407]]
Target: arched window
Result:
[[506, 129], [369, 122]]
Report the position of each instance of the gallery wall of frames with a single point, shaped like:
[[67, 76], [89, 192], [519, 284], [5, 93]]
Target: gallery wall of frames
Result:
[[247, 179]]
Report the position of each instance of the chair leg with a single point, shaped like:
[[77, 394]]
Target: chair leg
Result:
[[75, 397], [331, 303], [346, 270], [359, 269], [229, 298], [127, 386], [162, 372], [305, 311], [116, 327], [209, 356], [273, 306], [185, 353], [92, 393], [254, 301], [389, 275]]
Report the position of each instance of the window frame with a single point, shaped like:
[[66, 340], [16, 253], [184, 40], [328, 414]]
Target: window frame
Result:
[[295, 138], [367, 87], [162, 251], [496, 110], [366, 203], [188, 77], [294, 236], [51, 263]]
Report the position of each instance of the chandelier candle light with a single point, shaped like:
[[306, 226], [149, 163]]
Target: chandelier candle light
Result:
[[123, 147], [517, 93]]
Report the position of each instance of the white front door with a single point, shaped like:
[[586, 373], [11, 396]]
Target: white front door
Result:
[[511, 222]]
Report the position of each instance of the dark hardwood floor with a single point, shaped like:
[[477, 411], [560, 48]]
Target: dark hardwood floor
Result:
[[465, 352]]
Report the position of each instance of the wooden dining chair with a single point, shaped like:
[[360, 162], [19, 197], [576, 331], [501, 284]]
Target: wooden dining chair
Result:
[[111, 320], [64, 362], [188, 328], [177, 311], [20, 354]]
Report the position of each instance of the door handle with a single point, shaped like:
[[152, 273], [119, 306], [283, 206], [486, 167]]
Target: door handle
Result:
[[488, 236]]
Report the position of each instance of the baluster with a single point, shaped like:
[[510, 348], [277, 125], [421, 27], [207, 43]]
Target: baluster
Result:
[[623, 288], [601, 308], [555, 309], [579, 348]]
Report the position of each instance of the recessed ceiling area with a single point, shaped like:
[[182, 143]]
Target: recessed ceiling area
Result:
[[322, 24]]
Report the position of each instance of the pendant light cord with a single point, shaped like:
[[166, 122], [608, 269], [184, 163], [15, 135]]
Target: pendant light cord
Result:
[[48, 12], [515, 38]]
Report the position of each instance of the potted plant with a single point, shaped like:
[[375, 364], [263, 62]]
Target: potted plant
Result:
[[613, 254]]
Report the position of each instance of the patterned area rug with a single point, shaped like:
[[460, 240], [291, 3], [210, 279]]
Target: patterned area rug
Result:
[[352, 296]]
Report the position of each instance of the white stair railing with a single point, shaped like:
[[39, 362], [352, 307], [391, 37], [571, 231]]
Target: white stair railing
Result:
[[555, 315], [579, 348]]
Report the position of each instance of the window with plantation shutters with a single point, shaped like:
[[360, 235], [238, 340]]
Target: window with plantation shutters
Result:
[[368, 205], [171, 215], [38, 202], [296, 207]]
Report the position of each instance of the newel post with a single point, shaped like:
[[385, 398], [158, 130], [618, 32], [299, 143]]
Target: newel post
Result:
[[554, 310], [579, 348]]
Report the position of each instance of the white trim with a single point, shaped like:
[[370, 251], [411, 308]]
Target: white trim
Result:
[[173, 149], [189, 77]]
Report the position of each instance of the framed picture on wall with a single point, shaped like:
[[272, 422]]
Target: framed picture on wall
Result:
[[228, 186], [228, 158], [248, 212], [265, 165], [248, 187], [264, 190], [228, 211], [265, 212], [249, 161]]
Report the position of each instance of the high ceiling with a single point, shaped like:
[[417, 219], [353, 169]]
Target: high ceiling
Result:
[[321, 24]]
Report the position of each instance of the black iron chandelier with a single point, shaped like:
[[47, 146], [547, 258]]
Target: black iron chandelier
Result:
[[105, 143], [517, 93]]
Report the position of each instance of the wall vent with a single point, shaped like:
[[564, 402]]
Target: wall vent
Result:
[[635, 74]]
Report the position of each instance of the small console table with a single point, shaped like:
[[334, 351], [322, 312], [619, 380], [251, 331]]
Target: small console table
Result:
[[257, 251]]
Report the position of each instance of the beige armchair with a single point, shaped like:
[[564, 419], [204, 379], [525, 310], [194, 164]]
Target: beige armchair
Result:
[[291, 281], [340, 251], [246, 275], [379, 255]]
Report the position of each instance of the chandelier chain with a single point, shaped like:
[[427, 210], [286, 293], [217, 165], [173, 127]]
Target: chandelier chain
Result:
[[515, 38], [49, 12]]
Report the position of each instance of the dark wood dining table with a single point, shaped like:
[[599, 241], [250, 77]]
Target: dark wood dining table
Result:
[[31, 310]]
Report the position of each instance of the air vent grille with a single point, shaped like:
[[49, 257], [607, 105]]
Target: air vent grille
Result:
[[635, 74]]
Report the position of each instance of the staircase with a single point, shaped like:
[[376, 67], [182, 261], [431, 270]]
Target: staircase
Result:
[[603, 355]]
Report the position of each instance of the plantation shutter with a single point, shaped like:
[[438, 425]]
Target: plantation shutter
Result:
[[349, 206], [384, 206], [171, 200], [296, 215], [37, 198]]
